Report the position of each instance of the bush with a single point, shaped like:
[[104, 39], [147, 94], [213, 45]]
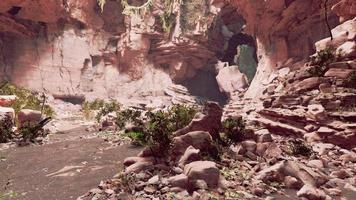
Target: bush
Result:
[[321, 60], [298, 147], [128, 116], [192, 10], [6, 124], [89, 107], [233, 130], [26, 100], [138, 138], [111, 106], [157, 127], [29, 131], [101, 106]]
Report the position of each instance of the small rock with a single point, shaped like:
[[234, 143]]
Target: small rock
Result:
[[317, 112], [154, 180], [350, 187], [263, 136], [312, 137], [334, 191], [273, 150], [258, 191], [249, 145], [109, 191], [180, 180], [150, 189], [349, 157], [325, 88], [325, 131], [316, 163], [177, 170], [292, 182], [311, 193], [200, 184], [342, 174], [191, 154], [203, 170]]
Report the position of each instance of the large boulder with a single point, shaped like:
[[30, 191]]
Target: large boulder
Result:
[[230, 79], [203, 170], [137, 164], [28, 115], [7, 100], [7, 111], [200, 140], [191, 154], [209, 121]]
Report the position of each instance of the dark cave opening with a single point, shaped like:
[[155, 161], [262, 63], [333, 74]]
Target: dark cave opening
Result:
[[14, 10], [205, 87], [234, 42]]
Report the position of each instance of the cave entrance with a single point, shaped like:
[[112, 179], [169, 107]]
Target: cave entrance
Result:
[[241, 51], [205, 87]]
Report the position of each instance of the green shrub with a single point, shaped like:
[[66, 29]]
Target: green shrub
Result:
[[138, 138], [168, 18], [156, 127], [128, 116], [136, 10], [233, 130], [298, 147], [321, 61], [89, 107], [6, 124], [180, 116], [30, 131], [26, 100], [192, 10], [111, 106], [101, 106]]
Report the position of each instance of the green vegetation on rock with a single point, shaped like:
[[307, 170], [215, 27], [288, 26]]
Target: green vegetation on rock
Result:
[[6, 124], [192, 12], [321, 60], [234, 130], [26, 99], [137, 10]]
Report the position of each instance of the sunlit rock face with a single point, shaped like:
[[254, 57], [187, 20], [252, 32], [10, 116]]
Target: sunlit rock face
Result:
[[285, 32], [74, 47]]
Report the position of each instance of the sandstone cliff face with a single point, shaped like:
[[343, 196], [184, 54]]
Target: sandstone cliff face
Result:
[[127, 50]]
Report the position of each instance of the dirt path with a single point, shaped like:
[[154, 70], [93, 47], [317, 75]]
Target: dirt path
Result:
[[62, 170]]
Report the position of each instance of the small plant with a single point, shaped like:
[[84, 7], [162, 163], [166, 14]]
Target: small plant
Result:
[[321, 61], [128, 116], [9, 195], [181, 115], [136, 10], [192, 12], [298, 147], [233, 129], [89, 107], [29, 131], [6, 124], [111, 106], [138, 138], [155, 128]]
